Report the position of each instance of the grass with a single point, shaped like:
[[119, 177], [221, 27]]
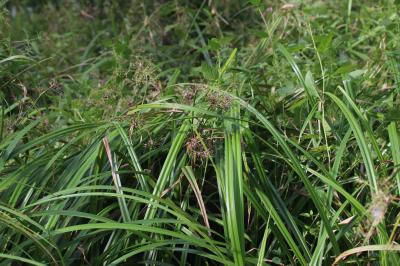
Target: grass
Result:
[[199, 132]]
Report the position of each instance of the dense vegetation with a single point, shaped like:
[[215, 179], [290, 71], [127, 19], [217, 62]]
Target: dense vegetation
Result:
[[199, 132]]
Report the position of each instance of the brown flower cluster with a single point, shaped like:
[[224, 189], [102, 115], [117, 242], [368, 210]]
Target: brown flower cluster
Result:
[[219, 101], [197, 148]]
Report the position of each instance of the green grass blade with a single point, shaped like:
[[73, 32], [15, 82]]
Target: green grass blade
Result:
[[261, 252], [395, 148], [134, 159], [21, 259], [117, 181], [234, 187], [282, 227], [167, 168], [307, 83], [361, 140], [188, 172], [297, 167]]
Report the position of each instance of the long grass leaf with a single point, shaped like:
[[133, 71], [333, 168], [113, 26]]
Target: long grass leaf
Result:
[[361, 140]]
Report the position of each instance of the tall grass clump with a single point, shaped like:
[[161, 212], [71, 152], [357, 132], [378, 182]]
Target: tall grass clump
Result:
[[199, 132]]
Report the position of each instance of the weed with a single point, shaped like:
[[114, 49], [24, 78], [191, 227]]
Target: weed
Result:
[[199, 132]]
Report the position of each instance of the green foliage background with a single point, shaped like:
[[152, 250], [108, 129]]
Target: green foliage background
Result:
[[199, 132]]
